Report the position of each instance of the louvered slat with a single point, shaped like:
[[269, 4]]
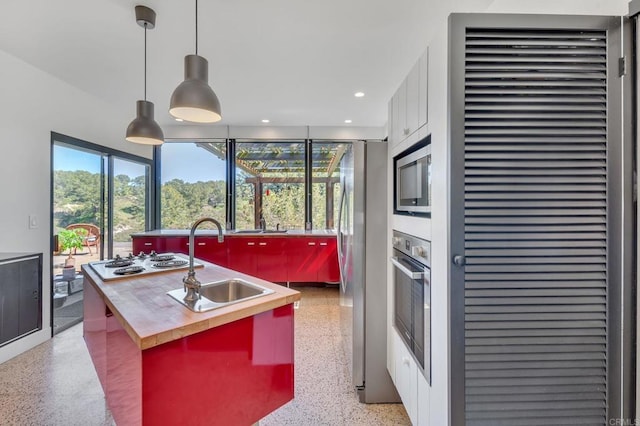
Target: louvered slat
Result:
[[535, 227]]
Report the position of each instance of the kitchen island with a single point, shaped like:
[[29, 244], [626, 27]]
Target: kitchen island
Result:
[[160, 363]]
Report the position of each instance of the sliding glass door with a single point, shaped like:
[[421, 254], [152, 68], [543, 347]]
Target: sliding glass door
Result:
[[99, 198], [130, 203]]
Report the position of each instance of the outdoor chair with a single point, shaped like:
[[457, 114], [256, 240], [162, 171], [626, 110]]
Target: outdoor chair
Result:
[[93, 234]]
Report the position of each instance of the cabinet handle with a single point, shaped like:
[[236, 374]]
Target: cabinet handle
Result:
[[147, 244], [323, 244], [405, 360], [202, 244], [311, 243], [406, 131], [262, 244], [251, 244]]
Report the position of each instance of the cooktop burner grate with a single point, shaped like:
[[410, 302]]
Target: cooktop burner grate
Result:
[[170, 263], [162, 257], [130, 270], [118, 263]]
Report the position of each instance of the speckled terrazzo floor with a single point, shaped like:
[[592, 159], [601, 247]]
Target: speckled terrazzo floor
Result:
[[55, 383]]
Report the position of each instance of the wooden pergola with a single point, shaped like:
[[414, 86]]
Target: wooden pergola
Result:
[[276, 163]]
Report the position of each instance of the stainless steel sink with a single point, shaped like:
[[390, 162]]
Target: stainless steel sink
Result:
[[219, 294], [274, 231]]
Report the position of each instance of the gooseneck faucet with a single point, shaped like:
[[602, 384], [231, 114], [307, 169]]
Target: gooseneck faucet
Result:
[[191, 284]]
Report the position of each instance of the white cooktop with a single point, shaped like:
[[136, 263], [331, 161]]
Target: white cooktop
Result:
[[128, 267]]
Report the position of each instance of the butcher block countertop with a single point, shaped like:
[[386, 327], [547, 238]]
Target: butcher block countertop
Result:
[[151, 317]]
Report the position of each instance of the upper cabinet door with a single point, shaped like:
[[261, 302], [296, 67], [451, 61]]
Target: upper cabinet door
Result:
[[423, 89], [413, 100]]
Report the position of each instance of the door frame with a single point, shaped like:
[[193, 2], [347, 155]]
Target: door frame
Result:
[[106, 193]]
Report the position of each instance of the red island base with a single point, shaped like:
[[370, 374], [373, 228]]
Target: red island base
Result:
[[236, 373]]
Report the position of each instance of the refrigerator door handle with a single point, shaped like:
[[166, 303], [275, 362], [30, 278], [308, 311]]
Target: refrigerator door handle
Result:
[[339, 236], [414, 275]]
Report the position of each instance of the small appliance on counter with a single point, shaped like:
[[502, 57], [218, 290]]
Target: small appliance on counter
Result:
[[142, 264]]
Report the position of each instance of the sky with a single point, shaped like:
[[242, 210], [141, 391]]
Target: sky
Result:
[[179, 161]]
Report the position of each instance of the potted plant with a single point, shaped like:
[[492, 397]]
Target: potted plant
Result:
[[71, 240]]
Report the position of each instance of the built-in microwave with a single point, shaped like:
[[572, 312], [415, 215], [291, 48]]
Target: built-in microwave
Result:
[[412, 180]]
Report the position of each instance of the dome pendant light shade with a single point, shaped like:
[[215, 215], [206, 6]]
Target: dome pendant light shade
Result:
[[144, 129], [194, 100]]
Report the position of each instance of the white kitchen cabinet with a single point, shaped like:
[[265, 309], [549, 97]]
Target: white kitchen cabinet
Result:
[[408, 109], [423, 89], [423, 398], [406, 377], [401, 127], [413, 100], [394, 137]]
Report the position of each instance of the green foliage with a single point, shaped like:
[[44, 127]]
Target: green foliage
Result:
[[184, 202], [77, 199], [71, 239]]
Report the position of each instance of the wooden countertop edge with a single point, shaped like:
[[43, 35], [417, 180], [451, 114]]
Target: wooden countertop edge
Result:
[[282, 296]]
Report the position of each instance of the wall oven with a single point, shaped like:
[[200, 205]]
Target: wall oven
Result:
[[412, 180], [412, 296]]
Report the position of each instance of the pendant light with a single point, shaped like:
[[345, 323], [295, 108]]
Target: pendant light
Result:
[[194, 100], [144, 129]]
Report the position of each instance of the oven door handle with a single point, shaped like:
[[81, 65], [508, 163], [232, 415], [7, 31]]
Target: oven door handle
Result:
[[408, 272]]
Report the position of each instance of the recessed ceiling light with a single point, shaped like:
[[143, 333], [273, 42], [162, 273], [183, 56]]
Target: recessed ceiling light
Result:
[[348, 121], [358, 94], [179, 119], [265, 121]]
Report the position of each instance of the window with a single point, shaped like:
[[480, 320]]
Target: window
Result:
[[267, 180], [270, 184], [193, 183], [325, 174]]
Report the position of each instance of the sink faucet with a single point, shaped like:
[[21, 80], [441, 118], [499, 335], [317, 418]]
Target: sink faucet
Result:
[[191, 284], [263, 223]]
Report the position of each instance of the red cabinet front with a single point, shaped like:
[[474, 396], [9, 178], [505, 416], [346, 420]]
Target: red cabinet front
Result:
[[243, 255], [209, 249], [272, 258], [328, 271], [147, 244], [176, 244], [303, 261]]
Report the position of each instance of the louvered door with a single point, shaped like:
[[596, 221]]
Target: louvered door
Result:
[[533, 175]]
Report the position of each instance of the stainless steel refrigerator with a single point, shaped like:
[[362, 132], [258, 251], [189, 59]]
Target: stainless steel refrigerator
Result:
[[362, 242]]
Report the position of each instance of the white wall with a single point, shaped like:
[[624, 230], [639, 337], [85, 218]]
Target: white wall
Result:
[[436, 228], [34, 104]]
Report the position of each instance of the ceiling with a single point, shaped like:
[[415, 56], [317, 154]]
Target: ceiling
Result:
[[294, 62]]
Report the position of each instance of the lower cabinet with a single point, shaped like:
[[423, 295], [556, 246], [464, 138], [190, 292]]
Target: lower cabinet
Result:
[[20, 296], [261, 257], [148, 244], [424, 398], [209, 249], [312, 259], [406, 378], [412, 386], [272, 258]]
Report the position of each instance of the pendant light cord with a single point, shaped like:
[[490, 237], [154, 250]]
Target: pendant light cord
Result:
[[196, 27], [145, 61]]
